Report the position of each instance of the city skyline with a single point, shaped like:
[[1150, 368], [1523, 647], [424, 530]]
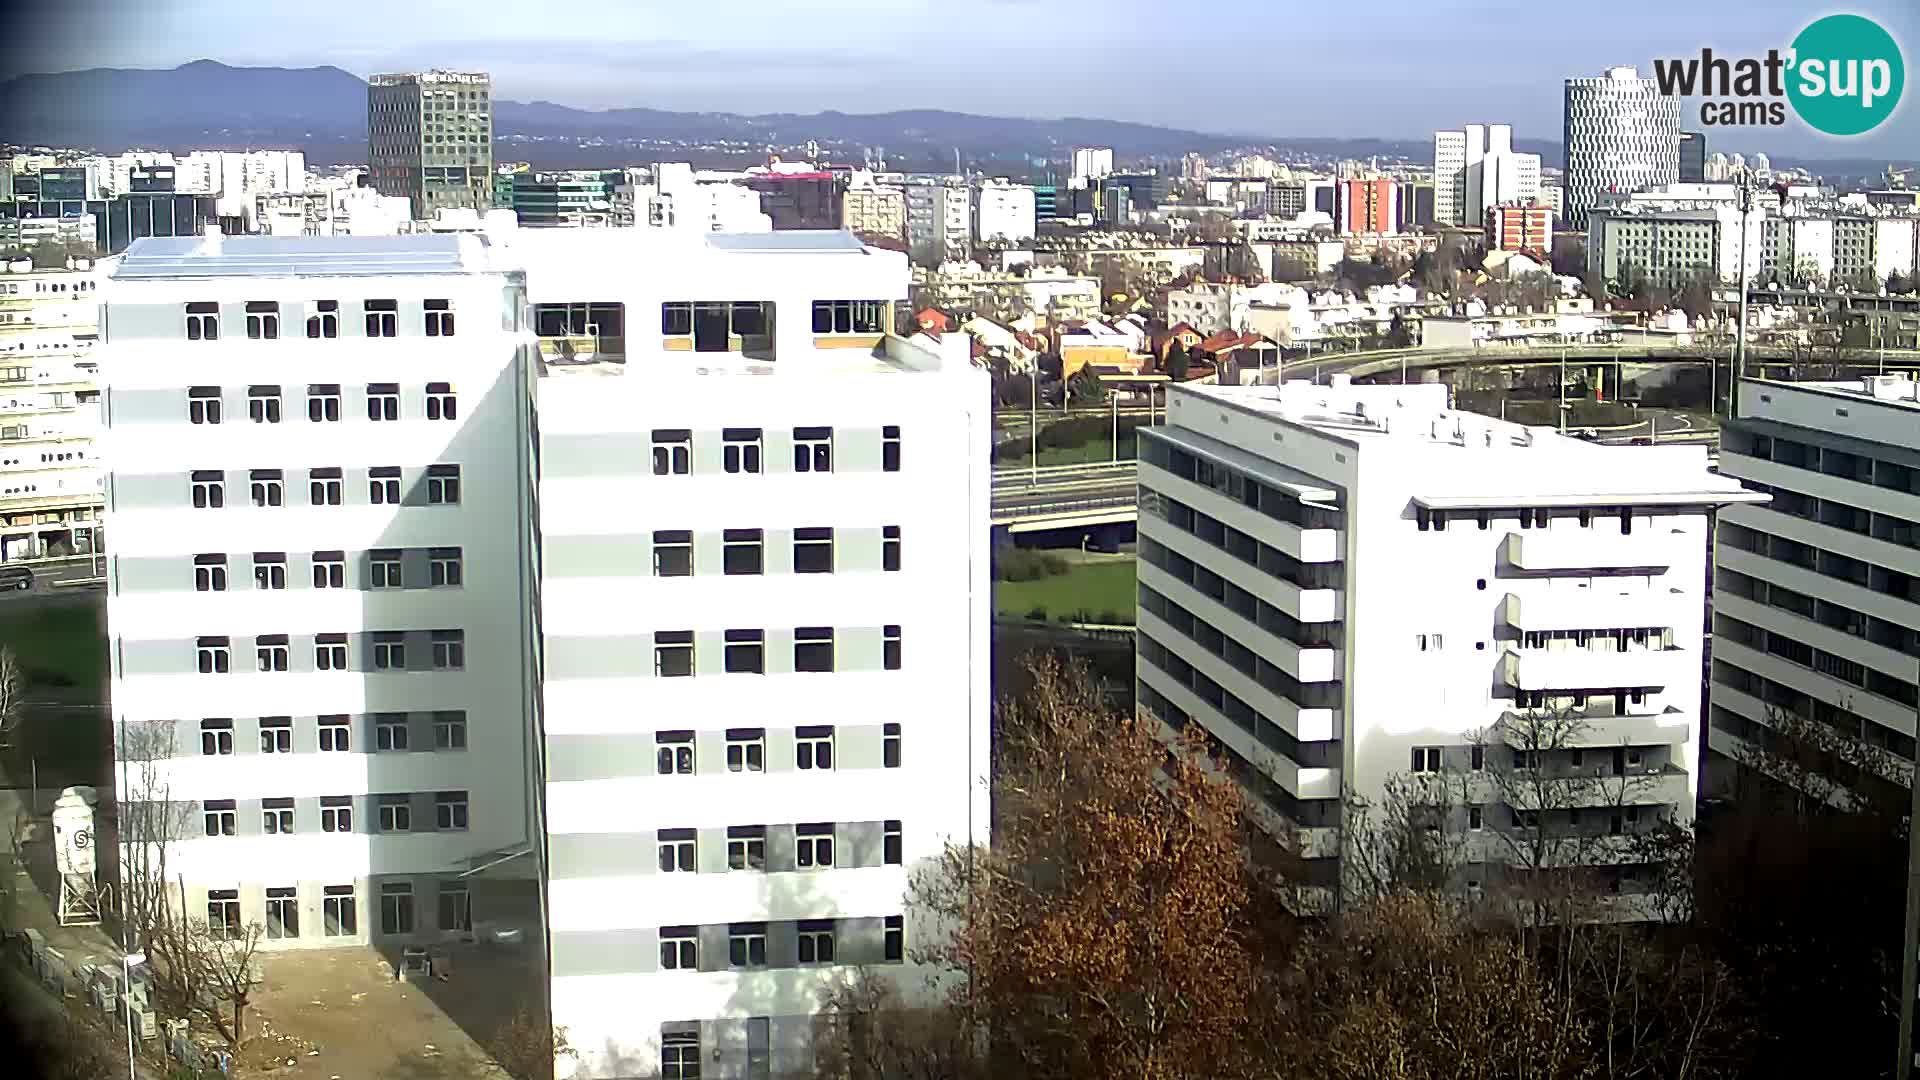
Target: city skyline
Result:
[[879, 56]]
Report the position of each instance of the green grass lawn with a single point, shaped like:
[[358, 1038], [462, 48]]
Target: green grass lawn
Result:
[[58, 644], [1094, 587]]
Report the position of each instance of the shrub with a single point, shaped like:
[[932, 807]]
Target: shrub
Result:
[[1026, 564]]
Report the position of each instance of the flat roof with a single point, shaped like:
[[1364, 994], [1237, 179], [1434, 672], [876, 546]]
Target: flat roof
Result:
[[162, 257], [813, 241]]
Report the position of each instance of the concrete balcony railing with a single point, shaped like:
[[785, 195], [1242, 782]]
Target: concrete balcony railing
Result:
[[1590, 609], [1586, 669], [1596, 548]]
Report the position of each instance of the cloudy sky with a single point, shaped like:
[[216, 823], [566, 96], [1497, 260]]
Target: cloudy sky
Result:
[[1392, 68]]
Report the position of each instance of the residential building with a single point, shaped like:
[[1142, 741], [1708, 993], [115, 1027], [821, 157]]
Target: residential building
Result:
[[441, 681], [939, 220], [1346, 584], [678, 197], [430, 138], [1555, 196], [1816, 595], [50, 464], [799, 197], [1621, 134], [1476, 169], [1003, 211], [1521, 227], [867, 209], [1693, 157], [1368, 206], [1092, 162]]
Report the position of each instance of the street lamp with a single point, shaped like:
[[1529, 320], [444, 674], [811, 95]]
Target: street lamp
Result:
[[126, 1005], [1033, 419]]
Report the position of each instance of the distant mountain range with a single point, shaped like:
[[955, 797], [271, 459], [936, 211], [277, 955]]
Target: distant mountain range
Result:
[[322, 110]]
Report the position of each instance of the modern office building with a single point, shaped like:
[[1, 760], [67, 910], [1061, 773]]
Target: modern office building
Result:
[[1622, 134], [459, 629], [1476, 169], [50, 464], [150, 207], [1693, 157], [1092, 162], [430, 138], [1816, 595], [561, 199], [1344, 583]]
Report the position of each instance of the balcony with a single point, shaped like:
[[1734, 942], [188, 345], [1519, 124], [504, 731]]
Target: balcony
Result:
[[1586, 669], [1601, 547], [1591, 608]]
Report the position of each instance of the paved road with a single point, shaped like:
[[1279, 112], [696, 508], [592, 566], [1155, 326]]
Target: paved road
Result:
[[45, 591]]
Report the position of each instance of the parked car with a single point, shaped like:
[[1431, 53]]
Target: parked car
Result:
[[16, 577]]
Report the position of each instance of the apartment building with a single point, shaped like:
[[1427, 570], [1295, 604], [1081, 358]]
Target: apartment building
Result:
[[472, 631], [1476, 169], [50, 469], [867, 209], [1347, 583], [939, 220], [1003, 211], [1816, 600]]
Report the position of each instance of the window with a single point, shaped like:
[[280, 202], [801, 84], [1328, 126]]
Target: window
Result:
[[323, 402], [1479, 758], [813, 846], [266, 487], [816, 941], [283, 912], [890, 548], [383, 485], [217, 815], [383, 569], [263, 404], [675, 753], [1426, 759], [1626, 521], [450, 811], [848, 316], [890, 746], [890, 646], [203, 321], [334, 734], [890, 448], [746, 652], [676, 319], [389, 651], [672, 451], [270, 652], [276, 734], [441, 403], [449, 650], [329, 569], [813, 747], [396, 813], [673, 653], [383, 401], [677, 851], [679, 948], [1475, 818], [747, 847], [216, 737], [1526, 819], [456, 908], [672, 553], [747, 945], [213, 655], [381, 317], [443, 568], [813, 648], [746, 750], [813, 551], [209, 489], [270, 570], [740, 551], [679, 1051], [890, 845], [203, 405], [324, 487], [439, 318], [324, 322], [210, 573], [276, 816], [396, 907], [740, 449], [223, 913], [813, 449], [336, 813], [443, 485], [896, 938]]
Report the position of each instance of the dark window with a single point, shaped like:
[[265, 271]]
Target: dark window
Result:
[[672, 553], [890, 852], [263, 320], [890, 746], [813, 449], [382, 317], [746, 652], [890, 646], [813, 648], [676, 319], [890, 548], [813, 551], [890, 448], [741, 449], [439, 318], [896, 939], [674, 755], [325, 322], [741, 551]]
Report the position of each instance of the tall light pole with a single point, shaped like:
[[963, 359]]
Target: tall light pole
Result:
[[1740, 342], [1033, 419]]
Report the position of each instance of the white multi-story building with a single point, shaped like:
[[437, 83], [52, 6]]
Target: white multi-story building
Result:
[[871, 209], [939, 220], [1816, 598], [50, 469], [466, 630], [1622, 134], [1476, 169], [1003, 211], [1344, 583], [1092, 162]]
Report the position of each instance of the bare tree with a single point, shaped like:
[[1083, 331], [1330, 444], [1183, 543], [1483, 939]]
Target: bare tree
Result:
[[1406, 841], [528, 1045], [150, 822], [222, 960], [1814, 765], [865, 1031]]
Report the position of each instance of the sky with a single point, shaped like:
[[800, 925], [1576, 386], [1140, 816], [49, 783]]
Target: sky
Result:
[[1275, 68]]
